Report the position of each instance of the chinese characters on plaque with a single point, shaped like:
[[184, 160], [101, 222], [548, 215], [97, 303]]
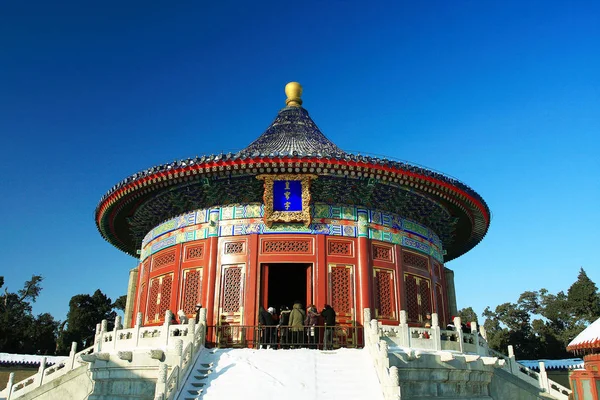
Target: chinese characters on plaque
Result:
[[287, 198], [287, 195]]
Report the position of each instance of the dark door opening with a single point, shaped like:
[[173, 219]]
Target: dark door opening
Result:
[[284, 284]]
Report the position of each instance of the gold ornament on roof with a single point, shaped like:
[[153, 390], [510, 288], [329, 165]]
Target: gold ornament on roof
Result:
[[293, 91]]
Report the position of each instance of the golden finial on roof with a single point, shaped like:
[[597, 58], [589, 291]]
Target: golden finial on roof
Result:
[[293, 91]]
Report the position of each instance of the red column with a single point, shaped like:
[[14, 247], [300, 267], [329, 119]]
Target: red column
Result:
[[320, 269], [364, 281], [212, 245]]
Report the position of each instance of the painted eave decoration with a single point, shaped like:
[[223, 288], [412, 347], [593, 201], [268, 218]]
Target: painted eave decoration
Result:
[[588, 339]]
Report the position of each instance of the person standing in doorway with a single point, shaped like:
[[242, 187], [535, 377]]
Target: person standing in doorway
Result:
[[284, 321], [328, 314], [312, 318], [265, 325], [296, 325]]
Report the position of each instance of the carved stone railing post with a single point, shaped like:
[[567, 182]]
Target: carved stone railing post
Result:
[[394, 390], [138, 326], [161, 381], [40, 374], [475, 336], [436, 331], [374, 331], [166, 325], [544, 382], [384, 361], [514, 368], [179, 351], [483, 332], [192, 334], [366, 315], [103, 329], [72, 356], [9, 385], [459, 333], [404, 329], [394, 376], [115, 330], [97, 335]]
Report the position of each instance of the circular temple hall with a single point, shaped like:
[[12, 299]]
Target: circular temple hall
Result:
[[291, 218]]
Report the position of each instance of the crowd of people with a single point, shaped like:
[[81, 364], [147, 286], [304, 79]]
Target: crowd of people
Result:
[[296, 328]]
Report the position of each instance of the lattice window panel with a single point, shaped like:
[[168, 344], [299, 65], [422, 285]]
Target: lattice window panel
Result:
[[193, 252], [192, 290], [145, 269], [231, 298], [163, 260], [286, 246], [341, 289], [382, 253], [439, 298], [166, 289], [425, 295], [437, 269], [152, 309], [412, 297], [141, 306], [337, 247], [385, 299], [234, 248], [415, 261]]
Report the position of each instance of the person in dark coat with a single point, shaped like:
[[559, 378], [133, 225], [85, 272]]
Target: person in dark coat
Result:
[[284, 321], [328, 314], [198, 308], [312, 319], [296, 324], [265, 324]]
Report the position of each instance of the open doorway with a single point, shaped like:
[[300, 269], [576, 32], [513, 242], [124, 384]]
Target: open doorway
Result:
[[284, 284]]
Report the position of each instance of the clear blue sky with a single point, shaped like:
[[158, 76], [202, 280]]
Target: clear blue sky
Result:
[[503, 95]]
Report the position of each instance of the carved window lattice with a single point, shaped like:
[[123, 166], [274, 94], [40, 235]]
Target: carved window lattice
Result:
[[163, 260], [341, 290], [425, 294], [415, 261], [384, 294], [194, 252], [336, 247], [232, 285], [152, 312], [143, 296], [412, 297], [286, 246], [382, 253], [145, 269], [234, 248], [166, 288], [192, 291], [440, 305], [437, 269]]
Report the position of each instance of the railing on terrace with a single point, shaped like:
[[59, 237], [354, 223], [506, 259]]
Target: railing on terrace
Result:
[[435, 338], [44, 375], [279, 337], [540, 379]]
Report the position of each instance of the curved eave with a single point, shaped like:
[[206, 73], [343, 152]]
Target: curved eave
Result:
[[428, 183], [590, 345]]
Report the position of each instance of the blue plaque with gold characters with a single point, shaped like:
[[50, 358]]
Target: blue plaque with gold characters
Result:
[[287, 195], [287, 198]]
